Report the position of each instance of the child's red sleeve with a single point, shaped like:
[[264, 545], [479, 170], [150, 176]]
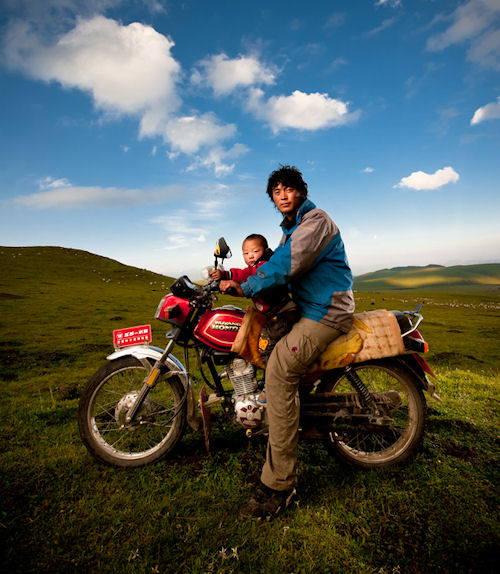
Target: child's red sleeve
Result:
[[241, 275]]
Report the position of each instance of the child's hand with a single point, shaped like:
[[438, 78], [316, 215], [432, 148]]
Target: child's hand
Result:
[[216, 274]]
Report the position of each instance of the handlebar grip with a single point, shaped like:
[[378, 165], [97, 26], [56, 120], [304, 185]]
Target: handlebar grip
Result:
[[231, 291]]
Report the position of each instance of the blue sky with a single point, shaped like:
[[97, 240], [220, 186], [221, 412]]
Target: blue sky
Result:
[[143, 131]]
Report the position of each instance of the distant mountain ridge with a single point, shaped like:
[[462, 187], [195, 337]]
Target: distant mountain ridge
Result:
[[65, 264], [486, 275]]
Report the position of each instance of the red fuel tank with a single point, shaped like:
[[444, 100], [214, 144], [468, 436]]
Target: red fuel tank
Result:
[[218, 328]]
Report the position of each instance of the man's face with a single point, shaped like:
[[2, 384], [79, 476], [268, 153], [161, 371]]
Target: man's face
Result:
[[287, 200]]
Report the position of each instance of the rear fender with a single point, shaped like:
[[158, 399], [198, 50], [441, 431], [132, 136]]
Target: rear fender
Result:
[[420, 369]]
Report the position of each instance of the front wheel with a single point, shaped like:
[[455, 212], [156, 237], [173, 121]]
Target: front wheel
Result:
[[401, 398], [104, 405]]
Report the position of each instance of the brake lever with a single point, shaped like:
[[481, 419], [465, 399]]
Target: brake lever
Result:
[[212, 288]]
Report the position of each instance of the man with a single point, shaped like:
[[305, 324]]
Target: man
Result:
[[311, 260]]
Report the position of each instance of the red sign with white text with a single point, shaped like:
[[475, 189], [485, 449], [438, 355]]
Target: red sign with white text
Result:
[[132, 336]]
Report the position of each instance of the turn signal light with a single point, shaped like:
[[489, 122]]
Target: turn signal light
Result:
[[172, 312], [418, 345]]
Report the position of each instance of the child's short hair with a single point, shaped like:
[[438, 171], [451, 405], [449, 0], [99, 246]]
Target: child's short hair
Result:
[[257, 237]]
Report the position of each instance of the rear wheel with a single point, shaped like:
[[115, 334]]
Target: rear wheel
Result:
[[104, 406], [399, 397]]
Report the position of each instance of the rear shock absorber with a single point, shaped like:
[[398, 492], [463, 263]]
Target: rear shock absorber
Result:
[[365, 396]]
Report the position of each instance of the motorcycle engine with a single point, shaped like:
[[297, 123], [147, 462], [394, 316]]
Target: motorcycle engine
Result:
[[241, 373]]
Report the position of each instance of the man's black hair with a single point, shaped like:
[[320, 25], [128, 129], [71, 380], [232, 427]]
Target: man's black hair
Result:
[[257, 237], [288, 176]]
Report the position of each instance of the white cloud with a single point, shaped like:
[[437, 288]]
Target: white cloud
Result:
[[476, 24], [216, 158], [190, 133], [368, 170], [336, 20], [60, 194], [385, 24], [180, 223], [51, 183], [300, 111], [126, 69], [337, 63], [420, 180], [41, 12], [225, 75], [391, 3], [200, 136], [487, 112], [188, 227], [129, 70], [176, 242], [158, 6]]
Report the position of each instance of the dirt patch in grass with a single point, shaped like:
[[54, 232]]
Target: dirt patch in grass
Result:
[[454, 448], [10, 296], [450, 357], [11, 357]]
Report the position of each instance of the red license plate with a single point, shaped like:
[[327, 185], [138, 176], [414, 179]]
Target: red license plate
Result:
[[132, 336]]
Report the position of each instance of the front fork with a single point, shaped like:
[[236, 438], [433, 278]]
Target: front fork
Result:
[[151, 380]]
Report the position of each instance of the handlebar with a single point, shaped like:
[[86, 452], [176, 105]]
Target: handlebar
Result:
[[215, 286], [231, 291], [211, 287]]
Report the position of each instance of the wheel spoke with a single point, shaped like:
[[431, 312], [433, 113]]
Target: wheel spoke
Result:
[[155, 424], [399, 401], [105, 411], [155, 429]]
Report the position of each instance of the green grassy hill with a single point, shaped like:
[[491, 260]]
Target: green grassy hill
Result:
[[63, 512], [61, 305], [458, 277], [44, 265], [74, 299], [23, 266]]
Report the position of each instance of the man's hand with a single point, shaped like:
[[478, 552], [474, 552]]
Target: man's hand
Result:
[[227, 284]]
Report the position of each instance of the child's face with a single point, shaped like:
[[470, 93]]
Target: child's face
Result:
[[253, 250]]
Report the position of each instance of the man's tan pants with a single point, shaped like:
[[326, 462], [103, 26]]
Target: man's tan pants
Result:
[[290, 359]]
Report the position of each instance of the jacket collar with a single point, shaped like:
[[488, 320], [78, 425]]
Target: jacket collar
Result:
[[288, 225]]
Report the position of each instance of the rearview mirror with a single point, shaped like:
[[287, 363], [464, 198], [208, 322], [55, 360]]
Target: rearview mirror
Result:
[[222, 250]]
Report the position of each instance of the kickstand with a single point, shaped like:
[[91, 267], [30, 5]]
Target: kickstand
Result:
[[206, 417]]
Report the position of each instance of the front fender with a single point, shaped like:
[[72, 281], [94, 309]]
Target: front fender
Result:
[[145, 353]]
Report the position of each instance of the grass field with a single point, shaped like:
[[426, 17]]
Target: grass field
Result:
[[63, 512]]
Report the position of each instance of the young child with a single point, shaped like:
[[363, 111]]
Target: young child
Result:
[[277, 305], [255, 253]]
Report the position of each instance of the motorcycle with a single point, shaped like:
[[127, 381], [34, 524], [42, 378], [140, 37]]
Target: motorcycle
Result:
[[371, 412]]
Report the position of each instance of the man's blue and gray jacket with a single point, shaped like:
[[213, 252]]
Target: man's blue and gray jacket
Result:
[[311, 260]]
